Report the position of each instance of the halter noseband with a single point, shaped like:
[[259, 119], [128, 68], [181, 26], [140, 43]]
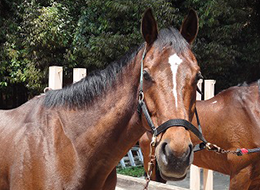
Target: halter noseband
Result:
[[170, 123]]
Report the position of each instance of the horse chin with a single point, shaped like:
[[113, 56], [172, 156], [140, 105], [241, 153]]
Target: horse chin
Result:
[[172, 178]]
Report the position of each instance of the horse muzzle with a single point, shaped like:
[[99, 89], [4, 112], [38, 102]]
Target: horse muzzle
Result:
[[173, 164]]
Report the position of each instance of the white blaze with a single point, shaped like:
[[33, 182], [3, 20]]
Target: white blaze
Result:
[[174, 61]]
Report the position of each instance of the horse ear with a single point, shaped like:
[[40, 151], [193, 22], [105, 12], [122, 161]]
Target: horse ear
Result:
[[149, 27], [190, 26]]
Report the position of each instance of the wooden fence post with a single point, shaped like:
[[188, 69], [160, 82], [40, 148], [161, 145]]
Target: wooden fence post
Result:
[[209, 86], [78, 74], [55, 77], [195, 170], [208, 174], [209, 91]]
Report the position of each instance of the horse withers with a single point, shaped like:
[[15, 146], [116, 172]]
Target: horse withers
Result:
[[230, 120], [73, 138]]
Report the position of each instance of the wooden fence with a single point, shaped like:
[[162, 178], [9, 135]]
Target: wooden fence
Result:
[[55, 82], [209, 86]]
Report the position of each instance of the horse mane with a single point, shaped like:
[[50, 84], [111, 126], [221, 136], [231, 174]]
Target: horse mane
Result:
[[96, 83], [244, 84], [82, 93]]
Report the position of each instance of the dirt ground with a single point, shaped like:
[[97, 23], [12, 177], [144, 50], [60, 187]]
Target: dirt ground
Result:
[[220, 182]]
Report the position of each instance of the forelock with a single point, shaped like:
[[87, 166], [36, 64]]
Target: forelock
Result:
[[171, 36]]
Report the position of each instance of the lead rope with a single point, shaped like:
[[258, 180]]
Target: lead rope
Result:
[[238, 152], [151, 164]]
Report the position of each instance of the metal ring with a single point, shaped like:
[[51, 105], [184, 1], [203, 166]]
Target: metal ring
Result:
[[153, 142], [141, 96]]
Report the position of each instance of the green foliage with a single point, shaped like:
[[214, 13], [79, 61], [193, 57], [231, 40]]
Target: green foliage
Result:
[[107, 29], [132, 171], [35, 34], [50, 29], [228, 40], [225, 31]]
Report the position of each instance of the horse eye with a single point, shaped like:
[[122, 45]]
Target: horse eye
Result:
[[146, 75]]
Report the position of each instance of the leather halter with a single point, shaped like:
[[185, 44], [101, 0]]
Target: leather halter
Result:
[[170, 123]]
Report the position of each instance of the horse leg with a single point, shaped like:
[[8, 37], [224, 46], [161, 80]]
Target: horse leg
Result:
[[110, 183], [240, 180]]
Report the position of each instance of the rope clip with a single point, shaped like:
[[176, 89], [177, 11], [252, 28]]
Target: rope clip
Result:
[[213, 147]]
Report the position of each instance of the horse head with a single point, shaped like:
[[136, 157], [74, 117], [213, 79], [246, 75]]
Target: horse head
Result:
[[168, 91]]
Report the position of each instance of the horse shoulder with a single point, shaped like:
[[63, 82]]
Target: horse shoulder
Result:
[[34, 143]]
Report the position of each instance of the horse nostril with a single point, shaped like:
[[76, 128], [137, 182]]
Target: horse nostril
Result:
[[163, 147], [191, 147], [189, 151], [164, 153]]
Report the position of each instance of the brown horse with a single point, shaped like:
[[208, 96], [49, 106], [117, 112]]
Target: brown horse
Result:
[[73, 138], [231, 120]]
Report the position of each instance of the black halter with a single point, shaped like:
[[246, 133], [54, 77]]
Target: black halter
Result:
[[170, 123]]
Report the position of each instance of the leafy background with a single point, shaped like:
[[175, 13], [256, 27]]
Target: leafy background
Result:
[[35, 34]]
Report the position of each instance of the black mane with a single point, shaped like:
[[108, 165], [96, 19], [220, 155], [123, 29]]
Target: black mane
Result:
[[85, 91], [244, 84]]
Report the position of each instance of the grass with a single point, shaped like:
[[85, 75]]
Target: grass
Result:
[[132, 171]]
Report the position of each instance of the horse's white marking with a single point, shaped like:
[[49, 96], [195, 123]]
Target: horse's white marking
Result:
[[174, 61], [214, 102]]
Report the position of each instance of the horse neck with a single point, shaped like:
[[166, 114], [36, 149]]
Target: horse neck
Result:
[[105, 131], [207, 110]]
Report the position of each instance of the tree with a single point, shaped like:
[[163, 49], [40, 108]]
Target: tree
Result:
[[228, 40], [35, 34]]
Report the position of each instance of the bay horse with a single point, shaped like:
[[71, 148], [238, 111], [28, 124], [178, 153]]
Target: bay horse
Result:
[[73, 138], [231, 120]]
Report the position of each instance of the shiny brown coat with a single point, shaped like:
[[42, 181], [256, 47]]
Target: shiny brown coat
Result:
[[231, 120]]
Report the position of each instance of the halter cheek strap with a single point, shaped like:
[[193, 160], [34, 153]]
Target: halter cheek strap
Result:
[[142, 72]]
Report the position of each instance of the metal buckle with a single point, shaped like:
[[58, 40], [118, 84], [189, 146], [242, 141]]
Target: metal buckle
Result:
[[141, 96]]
